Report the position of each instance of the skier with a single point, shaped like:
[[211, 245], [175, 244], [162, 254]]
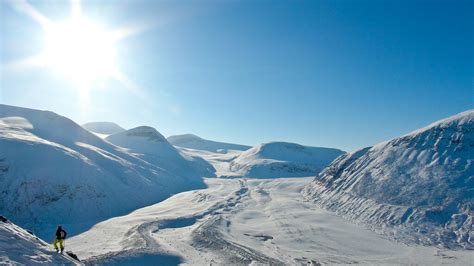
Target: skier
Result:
[[60, 236]]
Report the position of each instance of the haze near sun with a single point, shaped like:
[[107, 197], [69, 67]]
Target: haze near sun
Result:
[[80, 50]]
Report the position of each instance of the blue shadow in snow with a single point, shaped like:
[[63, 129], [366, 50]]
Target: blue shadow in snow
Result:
[[144, 259], [178, 223]]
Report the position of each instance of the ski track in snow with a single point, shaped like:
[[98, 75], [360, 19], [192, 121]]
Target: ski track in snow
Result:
[[244, 221]]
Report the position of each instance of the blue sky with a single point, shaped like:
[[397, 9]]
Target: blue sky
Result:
[[344, 74]]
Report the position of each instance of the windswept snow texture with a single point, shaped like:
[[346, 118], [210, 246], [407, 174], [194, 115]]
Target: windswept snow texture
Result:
[[52, 171], [148, 144], [19, 247], [106, 128], [246, 222], [282, 159], [416, 188], [194, 142]]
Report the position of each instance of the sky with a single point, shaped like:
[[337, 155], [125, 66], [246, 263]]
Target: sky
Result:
[[344, 74]]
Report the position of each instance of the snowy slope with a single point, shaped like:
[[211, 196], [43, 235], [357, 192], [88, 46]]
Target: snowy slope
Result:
[[416, 188], [194, 142], [246, 222], [282, 159], [105, 128], [18, 246], [221, 161], [148, 144], [52, 171]]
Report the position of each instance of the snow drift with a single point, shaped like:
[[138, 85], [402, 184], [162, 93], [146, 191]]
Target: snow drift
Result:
[[52, 171], [416, 188], [194, 142], [282, 159], [105, 128], [18, 246]]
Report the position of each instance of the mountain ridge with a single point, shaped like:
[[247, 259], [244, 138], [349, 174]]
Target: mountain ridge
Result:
[[102, 127], [150, 145], [191, 141], [416, 188], [51, 165], [283, 159]]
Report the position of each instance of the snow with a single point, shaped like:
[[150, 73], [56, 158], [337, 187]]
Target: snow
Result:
[[268, 160], [143, 139], [55, 172], [417, 188], [221, 161], [19, 247], [245, 221], [148, 144], [282, 159], [134, 197], [194, 142], [103, 128]]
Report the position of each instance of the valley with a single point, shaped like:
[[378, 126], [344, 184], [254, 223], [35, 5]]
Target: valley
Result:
[[243, 221], [276, 203]]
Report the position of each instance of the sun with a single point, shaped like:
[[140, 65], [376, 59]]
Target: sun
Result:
[[80, 50]]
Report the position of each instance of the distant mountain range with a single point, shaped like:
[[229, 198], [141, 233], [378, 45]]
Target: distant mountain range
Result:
[[191, 141], [148, 144], [106, 128], [54, 171]]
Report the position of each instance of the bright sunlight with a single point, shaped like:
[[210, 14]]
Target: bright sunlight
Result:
[[80, 50]]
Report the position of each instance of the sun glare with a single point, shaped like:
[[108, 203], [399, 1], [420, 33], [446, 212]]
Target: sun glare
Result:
[[80, 50]]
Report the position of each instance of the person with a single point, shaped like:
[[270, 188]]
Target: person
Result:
[[60, 236]]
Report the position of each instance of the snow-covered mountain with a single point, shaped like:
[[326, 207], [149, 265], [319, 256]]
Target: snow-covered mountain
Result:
[[282, 159], [20, 247], [148, 144], [52, 171], [105, 128], [191, 141], [416, 188]]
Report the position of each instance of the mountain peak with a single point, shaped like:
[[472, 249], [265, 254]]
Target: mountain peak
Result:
[[278, 159], [466, 117], [176, 139], [191, 141], [143, 134], [144, 129], [103, 127]]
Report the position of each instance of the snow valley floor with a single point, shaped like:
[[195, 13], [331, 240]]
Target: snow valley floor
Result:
[[242, 221]]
